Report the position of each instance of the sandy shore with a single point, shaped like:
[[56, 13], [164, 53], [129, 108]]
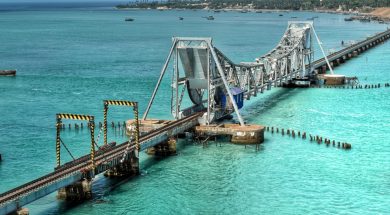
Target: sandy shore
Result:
[[383, 12]]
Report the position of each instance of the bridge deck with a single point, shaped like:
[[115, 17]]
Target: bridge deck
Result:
[[73, 171], [321, 62]]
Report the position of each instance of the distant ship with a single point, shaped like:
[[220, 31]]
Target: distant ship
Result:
[[181, 18], [129, 19], [210, 18], [7, 72]]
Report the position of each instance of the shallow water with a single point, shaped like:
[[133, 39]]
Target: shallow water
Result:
[[70, 60]]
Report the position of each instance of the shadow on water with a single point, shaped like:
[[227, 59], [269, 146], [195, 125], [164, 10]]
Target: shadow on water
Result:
[[264, 103]]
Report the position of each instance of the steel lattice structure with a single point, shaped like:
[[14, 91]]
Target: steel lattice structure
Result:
[[209, 76]]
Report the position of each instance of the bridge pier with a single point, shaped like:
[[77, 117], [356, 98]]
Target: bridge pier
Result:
[[163, 149], [20, 211], [323, 70], [79, 191], [129, 167], [335, 62]]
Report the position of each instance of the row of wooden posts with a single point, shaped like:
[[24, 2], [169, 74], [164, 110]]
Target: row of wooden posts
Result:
[[316, 138], [82, 125], [365, 86]]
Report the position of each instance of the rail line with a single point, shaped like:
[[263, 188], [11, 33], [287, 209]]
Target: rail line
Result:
[[348, 49], [83, 163], [288, 60]]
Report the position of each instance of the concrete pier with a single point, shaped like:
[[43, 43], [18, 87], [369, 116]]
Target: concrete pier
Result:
[[164, 149], [21, 211], [333, 79], [146, 126], [248, 134], [78, 191], [129, 167]]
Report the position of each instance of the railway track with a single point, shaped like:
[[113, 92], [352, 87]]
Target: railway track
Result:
[[83, 163], [348, 49]]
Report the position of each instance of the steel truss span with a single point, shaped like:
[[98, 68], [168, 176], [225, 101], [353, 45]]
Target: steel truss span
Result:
[[216, 84]]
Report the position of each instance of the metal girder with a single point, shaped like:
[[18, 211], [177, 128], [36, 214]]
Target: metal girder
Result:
[[207, 68], [122, 103], [91, 124]]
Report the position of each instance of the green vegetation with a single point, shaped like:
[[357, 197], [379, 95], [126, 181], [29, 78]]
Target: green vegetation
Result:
[[261, 4], [301, 4]]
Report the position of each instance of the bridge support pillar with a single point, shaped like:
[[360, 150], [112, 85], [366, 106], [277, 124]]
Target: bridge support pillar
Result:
[[163, 149], [21, 211], [323, 70], [78, 191], [129, 167], [335, 63]]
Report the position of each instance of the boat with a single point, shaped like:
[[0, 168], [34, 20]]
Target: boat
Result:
[[217, 11], [181, 18], [365, 20], [259, 11], [129, 19], [280, 14], [348, 19], [244, 11], [210, 18], [7, 72], [294, 17]]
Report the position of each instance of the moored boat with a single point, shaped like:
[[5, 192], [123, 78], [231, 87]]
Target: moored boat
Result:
[[129, 19], [210, 18], [7, 72]]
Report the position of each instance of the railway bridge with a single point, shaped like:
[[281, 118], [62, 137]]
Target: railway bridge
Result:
[[206, 86]]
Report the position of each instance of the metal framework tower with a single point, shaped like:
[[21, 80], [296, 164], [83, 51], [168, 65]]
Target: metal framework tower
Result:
[[197, 70], [91, 124], [216, 85]]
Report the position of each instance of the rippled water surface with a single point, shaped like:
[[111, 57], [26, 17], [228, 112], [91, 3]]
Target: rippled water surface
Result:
[[70, 60]]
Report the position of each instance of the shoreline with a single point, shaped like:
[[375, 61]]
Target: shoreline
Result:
[[355, 15]]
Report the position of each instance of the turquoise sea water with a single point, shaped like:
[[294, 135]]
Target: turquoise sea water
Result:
[[69, 60]]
